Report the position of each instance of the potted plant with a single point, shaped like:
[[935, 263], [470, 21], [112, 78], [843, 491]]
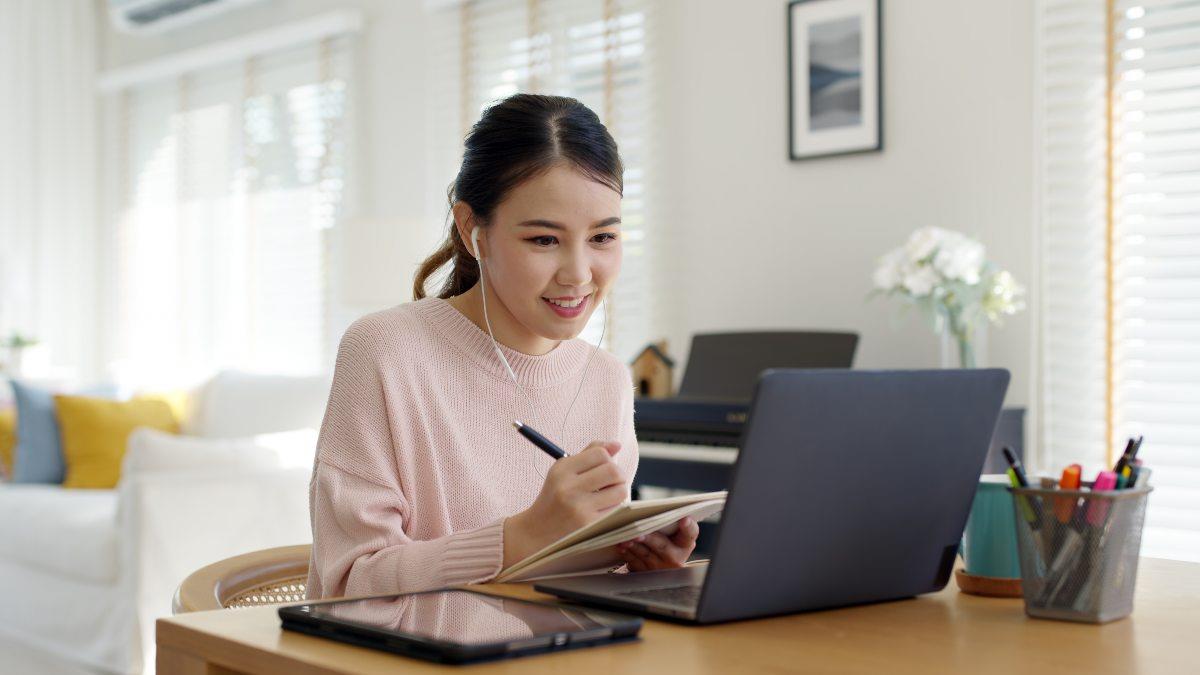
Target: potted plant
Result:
[[13, 346]]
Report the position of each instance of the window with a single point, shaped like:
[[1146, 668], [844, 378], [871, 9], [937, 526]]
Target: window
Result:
[[597, 51], [1120, 177], [232, 179]]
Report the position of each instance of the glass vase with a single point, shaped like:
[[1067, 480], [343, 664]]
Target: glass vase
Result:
[[964, 349]]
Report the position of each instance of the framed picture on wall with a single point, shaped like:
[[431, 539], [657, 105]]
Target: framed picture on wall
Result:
[[835, 78]]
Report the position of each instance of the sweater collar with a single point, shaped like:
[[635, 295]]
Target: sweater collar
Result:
[[554, 367]]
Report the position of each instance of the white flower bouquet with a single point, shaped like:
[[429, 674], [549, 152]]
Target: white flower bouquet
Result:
[[945, 275]]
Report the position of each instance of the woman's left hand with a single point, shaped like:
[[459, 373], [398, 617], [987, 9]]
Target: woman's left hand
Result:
[[655, 551]]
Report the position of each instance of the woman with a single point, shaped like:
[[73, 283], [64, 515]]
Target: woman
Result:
[[420, 480]]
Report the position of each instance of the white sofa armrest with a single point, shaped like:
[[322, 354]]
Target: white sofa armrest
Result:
[[172, 523]]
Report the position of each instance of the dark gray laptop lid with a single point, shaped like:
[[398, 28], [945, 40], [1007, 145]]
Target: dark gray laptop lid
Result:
[[850, 487]]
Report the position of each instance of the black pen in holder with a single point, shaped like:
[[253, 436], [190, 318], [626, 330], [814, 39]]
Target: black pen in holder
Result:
[[1082, 569]]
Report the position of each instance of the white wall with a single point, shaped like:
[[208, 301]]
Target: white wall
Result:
[[752, 240], [757, 241]]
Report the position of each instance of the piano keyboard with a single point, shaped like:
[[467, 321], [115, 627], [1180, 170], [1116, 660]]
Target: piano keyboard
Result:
[[687, 453]]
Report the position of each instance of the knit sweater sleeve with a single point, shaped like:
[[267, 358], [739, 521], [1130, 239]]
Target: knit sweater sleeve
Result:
[[358, 508], [360, 546]]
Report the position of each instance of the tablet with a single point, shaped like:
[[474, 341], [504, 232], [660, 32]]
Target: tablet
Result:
[[459, 626]]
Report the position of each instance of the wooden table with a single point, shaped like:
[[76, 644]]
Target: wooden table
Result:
[[942, 632]]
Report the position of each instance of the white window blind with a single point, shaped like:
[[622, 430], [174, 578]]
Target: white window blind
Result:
[[1156, 151], [1073, 232], [233, 177], [1121, 250], [597, 51]]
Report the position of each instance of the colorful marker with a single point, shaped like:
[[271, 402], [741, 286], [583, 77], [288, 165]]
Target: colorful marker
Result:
[[1098, 508], [1064, 507]]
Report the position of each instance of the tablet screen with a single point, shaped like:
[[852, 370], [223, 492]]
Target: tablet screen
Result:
[[460, 617]]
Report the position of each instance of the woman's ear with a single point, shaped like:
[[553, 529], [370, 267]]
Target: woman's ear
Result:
[[465, 221]]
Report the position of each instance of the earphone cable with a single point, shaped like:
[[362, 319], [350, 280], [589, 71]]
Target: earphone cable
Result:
[[562, 429], [488, 322], [516, 383]]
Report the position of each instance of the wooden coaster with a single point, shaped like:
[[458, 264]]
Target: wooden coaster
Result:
[[992, 587]]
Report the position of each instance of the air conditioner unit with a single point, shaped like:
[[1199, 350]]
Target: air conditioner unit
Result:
[[156, 16]]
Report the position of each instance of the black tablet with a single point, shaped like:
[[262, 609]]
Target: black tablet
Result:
[[459, 626]]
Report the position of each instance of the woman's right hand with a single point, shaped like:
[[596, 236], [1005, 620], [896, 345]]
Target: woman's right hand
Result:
[[578, 490]]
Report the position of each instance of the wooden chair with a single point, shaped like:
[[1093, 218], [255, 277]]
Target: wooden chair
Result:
[[268, 577]]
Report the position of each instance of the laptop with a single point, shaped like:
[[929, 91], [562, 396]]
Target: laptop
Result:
[[850, 487]]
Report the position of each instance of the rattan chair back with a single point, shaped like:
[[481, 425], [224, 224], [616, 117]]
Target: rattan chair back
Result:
[[268, 577]]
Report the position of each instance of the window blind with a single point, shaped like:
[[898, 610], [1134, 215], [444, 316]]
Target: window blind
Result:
[[1073, 305], [1156, 208], [233, 177], [598, 51], [1120, 247]]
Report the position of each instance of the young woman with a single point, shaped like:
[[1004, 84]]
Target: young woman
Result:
[[421, 481]]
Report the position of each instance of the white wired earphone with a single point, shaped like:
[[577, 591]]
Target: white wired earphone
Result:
[[487, 321]]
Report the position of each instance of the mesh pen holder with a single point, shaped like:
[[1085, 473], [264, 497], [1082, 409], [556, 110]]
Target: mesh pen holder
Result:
[[1079, 551]]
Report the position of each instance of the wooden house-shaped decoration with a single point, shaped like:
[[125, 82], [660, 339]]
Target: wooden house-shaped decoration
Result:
[[652, 371]]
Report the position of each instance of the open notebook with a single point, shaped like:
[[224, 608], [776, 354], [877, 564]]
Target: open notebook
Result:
[[592, 548]]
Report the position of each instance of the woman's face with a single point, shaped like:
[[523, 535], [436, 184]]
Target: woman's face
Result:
[[553, 250]]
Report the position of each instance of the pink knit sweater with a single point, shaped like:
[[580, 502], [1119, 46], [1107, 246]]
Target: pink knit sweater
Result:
[[417, 461]]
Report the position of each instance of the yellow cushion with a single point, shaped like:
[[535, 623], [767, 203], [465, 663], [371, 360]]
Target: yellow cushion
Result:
[[94, 431], [8, 439], [179, 400]]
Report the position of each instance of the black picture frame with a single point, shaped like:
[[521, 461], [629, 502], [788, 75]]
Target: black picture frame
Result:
[[840, 136]]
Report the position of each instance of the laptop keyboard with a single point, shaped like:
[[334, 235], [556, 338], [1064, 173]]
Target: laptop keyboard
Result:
[[682, 596]]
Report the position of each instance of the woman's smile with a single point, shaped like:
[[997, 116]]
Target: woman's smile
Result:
[[567, 307]]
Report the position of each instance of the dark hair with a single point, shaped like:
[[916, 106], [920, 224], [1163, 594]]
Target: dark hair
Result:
[[516, 139]]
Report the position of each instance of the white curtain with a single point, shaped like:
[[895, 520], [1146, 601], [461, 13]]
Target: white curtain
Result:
[[47, 181]]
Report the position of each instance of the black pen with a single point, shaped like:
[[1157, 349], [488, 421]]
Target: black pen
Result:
[[1125, 457], [1032, 508], [1015, 463], [539, 440]]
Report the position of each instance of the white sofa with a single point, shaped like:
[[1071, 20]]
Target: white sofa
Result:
[[85, 573]]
